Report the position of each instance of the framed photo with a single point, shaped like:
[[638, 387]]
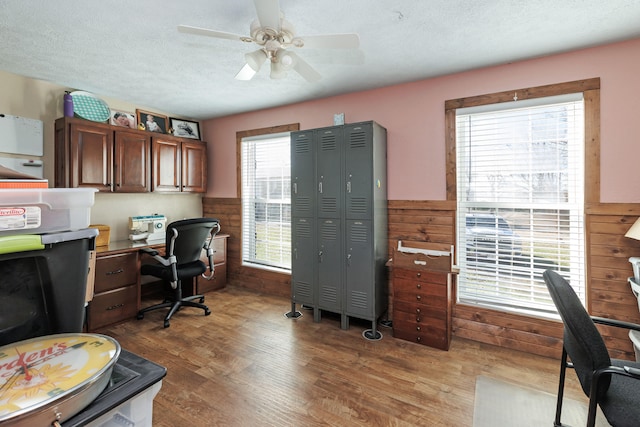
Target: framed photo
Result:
[[185, 128], [124, 119], [152, 122]]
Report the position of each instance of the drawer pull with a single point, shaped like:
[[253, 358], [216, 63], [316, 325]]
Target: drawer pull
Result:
[[113, 307], [418, 297], [118, 271], [418, 328], [418, 274], [418, 319], [419, 285], [418, 339], [418, 310]]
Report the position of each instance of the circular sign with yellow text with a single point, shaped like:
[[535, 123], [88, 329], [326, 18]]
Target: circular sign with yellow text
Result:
[[36, 372]]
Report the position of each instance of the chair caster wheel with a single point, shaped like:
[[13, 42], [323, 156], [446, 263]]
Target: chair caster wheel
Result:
[[166, 324], [139, 316], [207, 312]]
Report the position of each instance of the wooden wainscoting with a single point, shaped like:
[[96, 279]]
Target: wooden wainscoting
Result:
[[607, 249]]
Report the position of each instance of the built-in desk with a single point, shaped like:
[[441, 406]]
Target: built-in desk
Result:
[[118, 283]]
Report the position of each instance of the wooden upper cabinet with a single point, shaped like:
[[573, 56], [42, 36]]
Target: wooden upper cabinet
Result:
[[116, 159], [90, 157], [179, 165], [194, 167], [132, 162], [166, 164]]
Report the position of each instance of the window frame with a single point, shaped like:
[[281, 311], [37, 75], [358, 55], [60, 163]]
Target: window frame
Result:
[[239, 137], [590, 89]]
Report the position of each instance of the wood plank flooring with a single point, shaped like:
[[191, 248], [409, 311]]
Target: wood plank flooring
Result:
[[248, 365]]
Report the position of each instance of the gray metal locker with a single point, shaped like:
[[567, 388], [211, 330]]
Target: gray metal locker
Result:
[[350, 242], [302, 175], [303, 264]]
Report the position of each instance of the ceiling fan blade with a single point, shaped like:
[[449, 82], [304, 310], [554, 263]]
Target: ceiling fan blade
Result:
[[211, 33], [328, 41], [304, 69], [268, 13]]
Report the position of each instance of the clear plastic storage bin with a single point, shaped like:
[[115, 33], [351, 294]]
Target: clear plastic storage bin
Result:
[[45, 210]]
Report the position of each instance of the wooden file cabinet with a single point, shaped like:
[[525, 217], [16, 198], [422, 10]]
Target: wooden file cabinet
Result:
[[422, 306], [116, 290]]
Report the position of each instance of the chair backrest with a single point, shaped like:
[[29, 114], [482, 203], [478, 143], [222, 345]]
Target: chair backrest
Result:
[[192, 235], [582, 340]]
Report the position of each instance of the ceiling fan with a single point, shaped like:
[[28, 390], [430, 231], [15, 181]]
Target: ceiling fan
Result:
[[275, 36]]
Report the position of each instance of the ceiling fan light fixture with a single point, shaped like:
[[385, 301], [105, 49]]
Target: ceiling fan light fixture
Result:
[[278, 71]]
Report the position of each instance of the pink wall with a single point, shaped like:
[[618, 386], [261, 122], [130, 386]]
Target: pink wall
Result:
[[413, 114]]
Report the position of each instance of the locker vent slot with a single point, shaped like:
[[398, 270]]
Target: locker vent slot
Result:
[[303, 204], [303, 146], [359, 233], [329, 205], [328, 143], [329, 231], [359, 300], [303, 229], [304, 291], [358, 140], [358, 205], [329, 294]]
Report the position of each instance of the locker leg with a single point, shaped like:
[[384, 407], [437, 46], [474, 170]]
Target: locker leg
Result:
[[344, 322], [372, 334], [293, 314], [316, 314]]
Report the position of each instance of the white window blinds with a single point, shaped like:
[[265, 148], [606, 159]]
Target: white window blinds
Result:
[[520, 201], [266, 201]]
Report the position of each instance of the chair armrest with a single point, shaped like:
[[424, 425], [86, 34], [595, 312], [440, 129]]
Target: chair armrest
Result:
[[156, 255], [616, 323]]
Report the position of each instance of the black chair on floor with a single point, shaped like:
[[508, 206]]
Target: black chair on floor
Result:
[[184, 244], [612, 384]]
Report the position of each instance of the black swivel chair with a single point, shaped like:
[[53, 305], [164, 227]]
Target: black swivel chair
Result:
[[184, 244], [612, 384]]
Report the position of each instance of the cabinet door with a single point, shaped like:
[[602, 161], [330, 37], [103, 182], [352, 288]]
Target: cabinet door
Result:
[[329, 164], [132, 162], [330, 264], [359, 171], [194, 167], [303, 188], [91, 158], [360, 280], [167, 157]]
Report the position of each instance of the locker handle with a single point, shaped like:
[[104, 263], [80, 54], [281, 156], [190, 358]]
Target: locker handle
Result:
[[320, 256], [295, 253], [320, 187], [349, 187], [295, 188], [349, 259]]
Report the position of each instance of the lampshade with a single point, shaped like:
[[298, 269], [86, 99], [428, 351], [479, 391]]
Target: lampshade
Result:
[[254, 62], [634, 231]]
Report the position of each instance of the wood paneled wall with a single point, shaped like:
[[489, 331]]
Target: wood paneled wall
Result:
[[609, 294]]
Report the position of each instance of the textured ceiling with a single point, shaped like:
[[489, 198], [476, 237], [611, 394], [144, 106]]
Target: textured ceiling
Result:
[[130, 50]]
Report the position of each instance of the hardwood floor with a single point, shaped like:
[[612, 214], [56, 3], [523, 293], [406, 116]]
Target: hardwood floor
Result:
[[248, 365]]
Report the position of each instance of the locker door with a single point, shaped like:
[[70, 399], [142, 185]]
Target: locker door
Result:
[[302, 175], [329, 265], [359, 171], [303, 262], [360, 280], [329, 163]]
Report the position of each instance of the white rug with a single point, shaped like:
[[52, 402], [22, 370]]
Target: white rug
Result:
[[499, 403]]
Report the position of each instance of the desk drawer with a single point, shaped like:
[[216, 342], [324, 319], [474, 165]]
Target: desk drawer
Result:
[[116, 271], [114, 306]]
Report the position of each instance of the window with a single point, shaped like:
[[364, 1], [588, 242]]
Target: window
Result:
[[266, 200], [520, 201]]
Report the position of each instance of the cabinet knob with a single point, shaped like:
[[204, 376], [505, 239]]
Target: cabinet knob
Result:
[[418, 297], [419, 285], [418, 328], [418, 319], [418, 339], [418, 311], [418, 274]]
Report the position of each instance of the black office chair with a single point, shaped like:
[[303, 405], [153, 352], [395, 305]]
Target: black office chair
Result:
[[614, 385], [184, 244]]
